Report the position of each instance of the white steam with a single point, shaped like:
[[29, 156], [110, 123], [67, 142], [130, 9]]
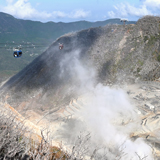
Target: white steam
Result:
[[111, 119], [106, 113], [82, 76]]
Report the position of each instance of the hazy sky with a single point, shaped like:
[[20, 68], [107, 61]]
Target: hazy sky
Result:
[[75, 10]]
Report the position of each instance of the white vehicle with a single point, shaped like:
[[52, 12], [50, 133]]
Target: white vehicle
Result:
[[124, 20]]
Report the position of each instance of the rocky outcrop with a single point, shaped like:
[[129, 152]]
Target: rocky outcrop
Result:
[[129, 51]]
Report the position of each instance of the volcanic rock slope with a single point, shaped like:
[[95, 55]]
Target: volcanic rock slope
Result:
[[112, 44], [118, 53], [49, 88]]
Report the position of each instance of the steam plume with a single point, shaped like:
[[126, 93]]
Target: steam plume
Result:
[[106, 114]]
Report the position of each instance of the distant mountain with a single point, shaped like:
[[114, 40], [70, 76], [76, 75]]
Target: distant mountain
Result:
[[12, 29], [34, 37]]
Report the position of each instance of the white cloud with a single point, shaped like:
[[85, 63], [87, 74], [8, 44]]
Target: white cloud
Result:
[[152, 3], [122, 8], [20, 9], [141, 11], [79, 14], [23, 9], [37, 4], [111, 14], [9, 1], [126, 10], [58, 14]]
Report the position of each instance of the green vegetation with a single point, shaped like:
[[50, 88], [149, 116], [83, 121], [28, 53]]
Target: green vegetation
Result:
[[156, 55], [145, 38], [10, 65], [140, 62], [138, 70], [16, 32], [12, 29], [152, 40], [158, 58]]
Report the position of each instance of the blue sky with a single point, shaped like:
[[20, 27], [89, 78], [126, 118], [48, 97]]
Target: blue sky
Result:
[[75, 10]]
